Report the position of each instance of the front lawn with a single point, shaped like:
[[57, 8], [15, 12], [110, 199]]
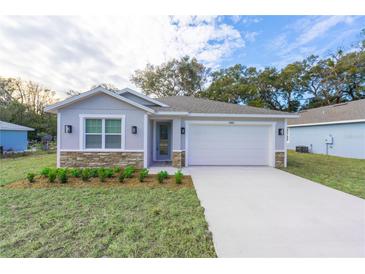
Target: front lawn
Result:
[[344, 174], [13, 169], [98, 219], [103, 222]]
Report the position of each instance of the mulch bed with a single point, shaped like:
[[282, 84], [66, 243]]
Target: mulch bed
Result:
[[150, 181]]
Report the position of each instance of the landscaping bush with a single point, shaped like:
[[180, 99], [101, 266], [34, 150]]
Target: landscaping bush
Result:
[[178, 177], [76, 172], [45, 171], [128, 172], [85, 174], [30, 177], [62, 176], [162, 175], [143, 174], [102, 174], [93, 172], [61, 169], [109, 172], [52, 175]]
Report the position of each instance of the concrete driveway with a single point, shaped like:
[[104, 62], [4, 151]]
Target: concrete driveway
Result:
[[265, 212]]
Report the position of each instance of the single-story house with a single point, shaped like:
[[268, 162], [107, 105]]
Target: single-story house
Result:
[[337, 130], [105, 128], [13, 137]]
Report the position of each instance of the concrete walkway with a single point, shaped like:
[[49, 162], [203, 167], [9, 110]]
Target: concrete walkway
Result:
[[265, 212]]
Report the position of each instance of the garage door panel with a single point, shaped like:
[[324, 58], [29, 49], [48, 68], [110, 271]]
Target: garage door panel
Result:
[[228, 145]]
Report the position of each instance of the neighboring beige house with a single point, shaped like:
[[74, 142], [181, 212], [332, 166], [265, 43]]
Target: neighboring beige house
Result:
[[104, 128]]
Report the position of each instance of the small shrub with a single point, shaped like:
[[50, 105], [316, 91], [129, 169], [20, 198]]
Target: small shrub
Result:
[[109, 172], [85, 174], [61, 170], [143, 174], [162, 175], [117, 169], [178, 177], [52, 175], [45, 171], [62, 176], [102, 174], [121, 178], [76, 172], [93, 172], [128, 172], [30, 177]]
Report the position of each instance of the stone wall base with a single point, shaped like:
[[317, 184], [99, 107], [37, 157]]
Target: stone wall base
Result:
[[279, 159], [178, 159], [100, 159]]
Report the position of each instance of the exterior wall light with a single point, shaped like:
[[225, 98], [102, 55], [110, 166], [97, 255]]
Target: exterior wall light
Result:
[[134, 130], [68, 129], [183, 130], [280, 131]]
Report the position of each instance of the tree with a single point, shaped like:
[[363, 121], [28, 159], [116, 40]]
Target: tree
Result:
[[27, 93], [291, 83], [184, 76], [23, 102], [231, 85]]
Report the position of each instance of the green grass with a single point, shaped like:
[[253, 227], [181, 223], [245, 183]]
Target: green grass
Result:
[[13, 169], [344, 174], [98, 221], [101, 222]]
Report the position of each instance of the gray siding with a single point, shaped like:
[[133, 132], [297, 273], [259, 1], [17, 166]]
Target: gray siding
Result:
[[348, 139], [137, 99], [101, 104]]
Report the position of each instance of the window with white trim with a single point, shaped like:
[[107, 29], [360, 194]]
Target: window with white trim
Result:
[[103, 133]]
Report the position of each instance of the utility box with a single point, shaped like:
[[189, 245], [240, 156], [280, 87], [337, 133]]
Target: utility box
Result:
[[302, 149], [329, 139]]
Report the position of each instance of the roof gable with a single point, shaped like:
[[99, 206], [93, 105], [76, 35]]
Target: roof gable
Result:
[[53, 108], [130, 93]]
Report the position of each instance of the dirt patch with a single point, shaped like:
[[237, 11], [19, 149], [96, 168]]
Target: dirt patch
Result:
[[150, 181]]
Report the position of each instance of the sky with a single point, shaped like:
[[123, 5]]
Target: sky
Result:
[[64, 53]]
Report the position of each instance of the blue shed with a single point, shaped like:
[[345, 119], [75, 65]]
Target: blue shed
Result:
[[13, 137]]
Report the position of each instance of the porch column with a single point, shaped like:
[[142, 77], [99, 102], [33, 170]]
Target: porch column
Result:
[[145, 141], [178, 156], [176, 135]]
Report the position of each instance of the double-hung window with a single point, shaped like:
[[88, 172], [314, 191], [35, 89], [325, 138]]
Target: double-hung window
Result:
[[103, 133]]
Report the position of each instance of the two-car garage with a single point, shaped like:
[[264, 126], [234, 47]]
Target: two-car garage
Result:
[[229, 143]]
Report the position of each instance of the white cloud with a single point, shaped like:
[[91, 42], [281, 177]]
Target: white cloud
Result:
[[250, 36], [306, 31], [245, 19], [76, 52]]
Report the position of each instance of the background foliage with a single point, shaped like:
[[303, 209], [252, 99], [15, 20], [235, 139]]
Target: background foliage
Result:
[[23, 102], [309, 83]]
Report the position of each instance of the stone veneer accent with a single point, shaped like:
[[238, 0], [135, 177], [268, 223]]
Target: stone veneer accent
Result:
[[178, 159], [100, 159], [279, 159]]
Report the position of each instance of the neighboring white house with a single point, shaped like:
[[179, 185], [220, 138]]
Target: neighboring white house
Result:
[[337, 130], [104, 128]]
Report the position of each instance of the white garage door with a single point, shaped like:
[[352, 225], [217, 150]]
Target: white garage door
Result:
[[211, 144]]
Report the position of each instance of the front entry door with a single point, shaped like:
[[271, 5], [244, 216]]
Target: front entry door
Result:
[[163, 139]]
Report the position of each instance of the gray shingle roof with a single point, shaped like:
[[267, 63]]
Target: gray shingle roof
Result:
[[199, 105], [10, 126], [340, 112]]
